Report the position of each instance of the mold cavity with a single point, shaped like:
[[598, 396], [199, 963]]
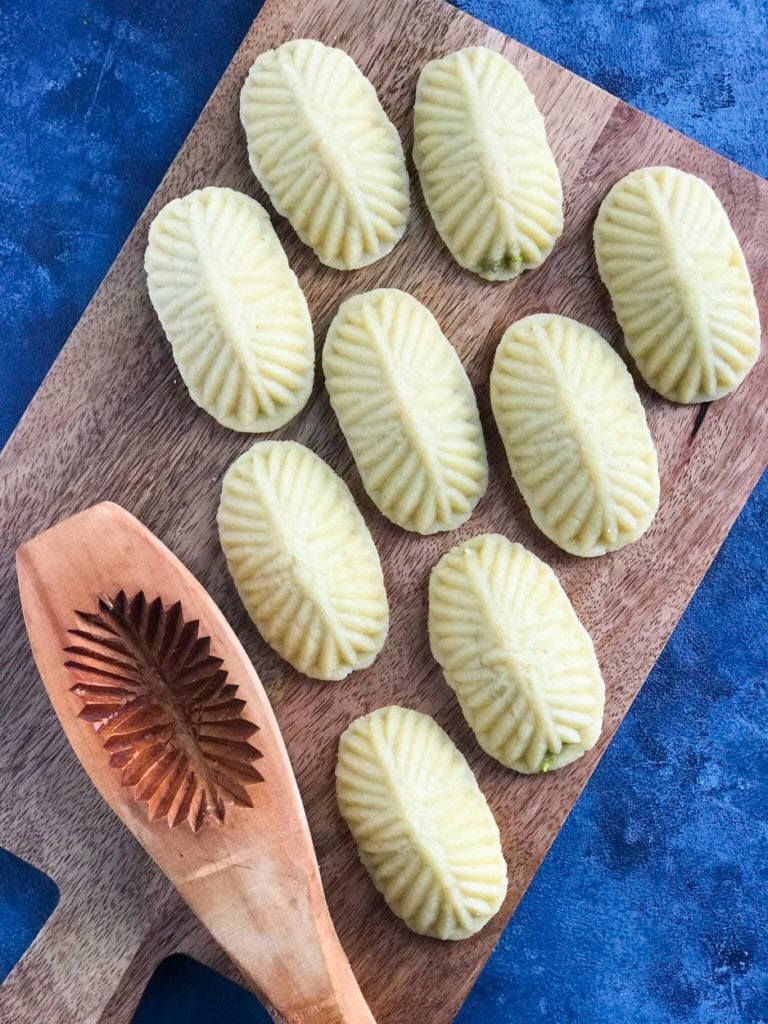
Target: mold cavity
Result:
[[170, 721]]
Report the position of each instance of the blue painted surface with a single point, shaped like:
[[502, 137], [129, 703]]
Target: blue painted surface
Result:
[[27, 898], [182, 991], [651, 906]]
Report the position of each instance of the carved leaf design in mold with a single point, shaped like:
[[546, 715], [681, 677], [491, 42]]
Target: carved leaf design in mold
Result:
[[160, 701]]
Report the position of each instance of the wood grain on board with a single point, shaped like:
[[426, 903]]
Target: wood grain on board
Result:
[[113, 420]]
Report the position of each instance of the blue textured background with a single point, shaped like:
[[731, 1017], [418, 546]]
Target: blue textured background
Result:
[[651, 906]]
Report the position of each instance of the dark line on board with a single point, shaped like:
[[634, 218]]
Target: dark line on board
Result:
[[701, 413]]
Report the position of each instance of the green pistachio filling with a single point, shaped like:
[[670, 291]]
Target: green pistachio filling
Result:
[[509, 261]]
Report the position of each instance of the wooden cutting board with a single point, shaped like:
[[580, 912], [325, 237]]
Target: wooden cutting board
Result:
[[113, 420]]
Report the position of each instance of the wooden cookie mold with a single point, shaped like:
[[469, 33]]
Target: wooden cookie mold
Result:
[[160, 702]]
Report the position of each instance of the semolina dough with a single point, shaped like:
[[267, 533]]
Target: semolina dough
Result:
[[423, 828], [231, 308], [407, 410], [575, 434], [679, 284], [515, 654], [302, 560], [324, 150], [487, 173]]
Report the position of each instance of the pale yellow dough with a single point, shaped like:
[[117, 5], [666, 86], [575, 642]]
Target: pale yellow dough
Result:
[[322, 147], [679, 284], [575, 434], [487, 173], [231, 308], [303, 560], [407, 410], [423, 828], [515, 654]]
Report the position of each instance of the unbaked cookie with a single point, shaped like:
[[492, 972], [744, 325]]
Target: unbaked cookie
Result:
[[515, 654], [303, 560], [679, 284], [423, 828], [487, 173], [575, 434], [231, 308], [407, 410], [324, 150]]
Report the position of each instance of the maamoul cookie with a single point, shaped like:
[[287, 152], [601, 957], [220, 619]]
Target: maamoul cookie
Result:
[[512, 649], [487, 173], [322, 147], [575, 434], [303, 560], [407, 410], [423, 828], [231, 308], [678, 282]]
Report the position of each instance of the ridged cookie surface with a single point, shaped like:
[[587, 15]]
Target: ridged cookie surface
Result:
[[575, 434], [487, 173], [302, 560], [231, 308], [679, 284], [324, 150], [407, 410], [512, 649], [423, 828]]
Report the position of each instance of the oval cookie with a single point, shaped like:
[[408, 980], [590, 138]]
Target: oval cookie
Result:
[[231, 308], [679, 284], [487, 173], [423, 828], [575, 434], [407, 410], [515, 654], [303, 560], [324, 150]]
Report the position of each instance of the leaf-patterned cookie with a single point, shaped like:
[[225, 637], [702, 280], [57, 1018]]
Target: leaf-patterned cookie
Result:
[[512, 649], [324, 150], [303, 560], [407, 410], [231, 308], [575, 434], [679, 284], [423, 828], [487, 173]]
